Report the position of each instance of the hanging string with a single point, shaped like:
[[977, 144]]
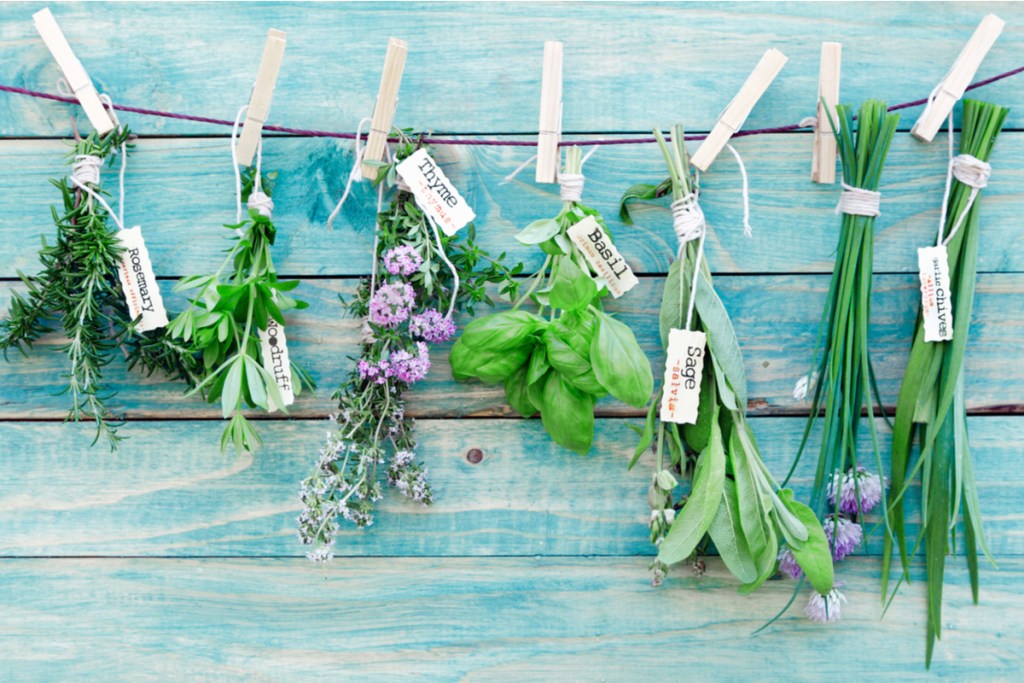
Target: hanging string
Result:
[[858, 202], [456, 283], [258, 199], [747, 230], [970, 171], [354, 176]]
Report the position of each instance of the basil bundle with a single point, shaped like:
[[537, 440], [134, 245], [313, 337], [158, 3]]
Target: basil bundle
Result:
[[733, 501], [561, 359], [931, 406]]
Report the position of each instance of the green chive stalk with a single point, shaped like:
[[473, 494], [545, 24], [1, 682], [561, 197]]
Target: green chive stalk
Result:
[[931, 403], [845, 379]]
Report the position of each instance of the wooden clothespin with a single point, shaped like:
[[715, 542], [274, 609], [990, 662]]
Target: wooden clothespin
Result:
[[954, 84], [74, 73], [548, 151], [823, 155], [262, 94], [731, 120], [384, 109]]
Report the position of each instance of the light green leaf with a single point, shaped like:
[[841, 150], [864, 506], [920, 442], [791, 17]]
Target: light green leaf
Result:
[[727, 535], [813, 555], [572, 290], [568, 414], [620, 364], [539, 231], [232, 387]]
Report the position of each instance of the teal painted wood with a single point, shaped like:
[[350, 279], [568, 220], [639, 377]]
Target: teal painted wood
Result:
[[181, 191], [776, 320], [502, 619], [626, 66], [169, 492]]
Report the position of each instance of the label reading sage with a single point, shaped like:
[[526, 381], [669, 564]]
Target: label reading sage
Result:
[[274, 346], [588, 236], [936, 307], [684, 365], [434, 193], [141, 292]]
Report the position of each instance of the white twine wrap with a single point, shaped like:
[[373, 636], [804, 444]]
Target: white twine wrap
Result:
[[972, 172], [258, 199], [859, 202], [570, 185], [86, 168], [688, 219]]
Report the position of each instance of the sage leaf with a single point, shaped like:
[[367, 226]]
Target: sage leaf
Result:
[[727, 535], [813, 555]]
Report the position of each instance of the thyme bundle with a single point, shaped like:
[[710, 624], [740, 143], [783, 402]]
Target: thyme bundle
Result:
[[405, 306], [734, 501], [561, 364], [930, 409]]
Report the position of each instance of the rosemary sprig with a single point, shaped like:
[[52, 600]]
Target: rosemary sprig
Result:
[[931, 409]]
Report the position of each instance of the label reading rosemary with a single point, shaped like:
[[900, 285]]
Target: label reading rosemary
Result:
[[684, 366], [603, 256], [434, 192], [936, 307], [274, 346], [141, 291]]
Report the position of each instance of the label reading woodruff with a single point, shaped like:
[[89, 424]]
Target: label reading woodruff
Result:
[[684, 366], [434, 193], [588, 236], [936, 306], [274, 346], [141, 292]]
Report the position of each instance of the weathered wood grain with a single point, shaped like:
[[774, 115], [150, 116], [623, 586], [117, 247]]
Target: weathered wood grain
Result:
[[776, 319], [181, 192], [496, 619], [168, 491], [626, 64]]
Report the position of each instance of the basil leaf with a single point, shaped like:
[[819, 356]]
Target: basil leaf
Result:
[[501, 331], [813, 555], [572, 290], [499, 365], [646, 434], [516, 391], [727, 535], [539, 364], [619, 364], [539, 231], [568, 414], [574, 367]]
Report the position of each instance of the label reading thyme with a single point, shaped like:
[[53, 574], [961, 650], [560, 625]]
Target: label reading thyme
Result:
[[274, 346], [603, 256], [684, 366], [434, 193], [936, 307], [141, 292]]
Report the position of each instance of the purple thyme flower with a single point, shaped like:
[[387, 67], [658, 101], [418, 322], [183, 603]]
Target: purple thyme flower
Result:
[[408, 368], [843, 535], [432, 326], [377, 373], [825, 609], [391, 303], [402, 260], [788, 564], [868, 483]]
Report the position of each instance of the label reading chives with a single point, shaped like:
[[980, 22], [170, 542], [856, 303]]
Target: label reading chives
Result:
[[936, 307]]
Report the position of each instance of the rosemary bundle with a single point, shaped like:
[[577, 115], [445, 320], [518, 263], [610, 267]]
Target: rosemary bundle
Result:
[[561, 359], [227, 320], [733, 501], [79, 293], [931, 407], [420, 279]]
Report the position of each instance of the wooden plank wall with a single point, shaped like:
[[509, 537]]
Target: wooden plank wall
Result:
[[169, 560]]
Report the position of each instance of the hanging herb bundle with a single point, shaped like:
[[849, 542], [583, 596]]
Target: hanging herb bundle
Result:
[[420, 280], [561, 359], [78, 292], [931, 406], [733, 501], [843, 383], [236, 314]]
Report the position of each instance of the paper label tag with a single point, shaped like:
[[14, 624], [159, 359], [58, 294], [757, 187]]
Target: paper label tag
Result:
[[603, 256], [274, 346], [936, 307], [141, 291], [434, 192], [684, 366]]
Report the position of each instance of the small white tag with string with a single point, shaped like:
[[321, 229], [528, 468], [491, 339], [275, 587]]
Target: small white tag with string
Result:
[[933, 264], [434, 193], [684, 367], [588, 236], [141, 292], [274, 347]]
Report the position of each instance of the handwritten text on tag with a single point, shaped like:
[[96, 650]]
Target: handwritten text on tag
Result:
[[936, 307], [684, 366], [603, 256], [274, 346], [141, 291], [434, 192]]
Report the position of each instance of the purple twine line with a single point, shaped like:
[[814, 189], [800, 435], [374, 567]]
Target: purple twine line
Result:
[[304, 132]]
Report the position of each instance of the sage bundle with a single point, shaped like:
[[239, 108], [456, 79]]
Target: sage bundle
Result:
[[96, 287], [420, 280], [697, 425], [562, 357], [931, 410]]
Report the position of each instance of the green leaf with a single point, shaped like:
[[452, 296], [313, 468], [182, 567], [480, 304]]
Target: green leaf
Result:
[[539, 231], [539, 364], [813, 555], [517, 393], [232, 387], [620, 364], [727, 535], [568, 414], [572, 290], [254, 379], [501, 331], [646, 434], [722, 342]]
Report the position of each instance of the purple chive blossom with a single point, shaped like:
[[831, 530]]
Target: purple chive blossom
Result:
[[391, 303], [432, 326], [825, 609], [868, 483], [788, 564], [402, 260], [408, 368], [843, 535]]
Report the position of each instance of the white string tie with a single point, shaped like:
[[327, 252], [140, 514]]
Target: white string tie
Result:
[[570, 185], [86, 169], [262, 203], [857, 201], [747, 230], [511, 176], [972, 171], [355, 175], [688, 219]]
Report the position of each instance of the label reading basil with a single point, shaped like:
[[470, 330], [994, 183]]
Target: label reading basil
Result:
[[434, 192], [936, 307], [274, 346], [141, 291], [588, 236], [684, 366]]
